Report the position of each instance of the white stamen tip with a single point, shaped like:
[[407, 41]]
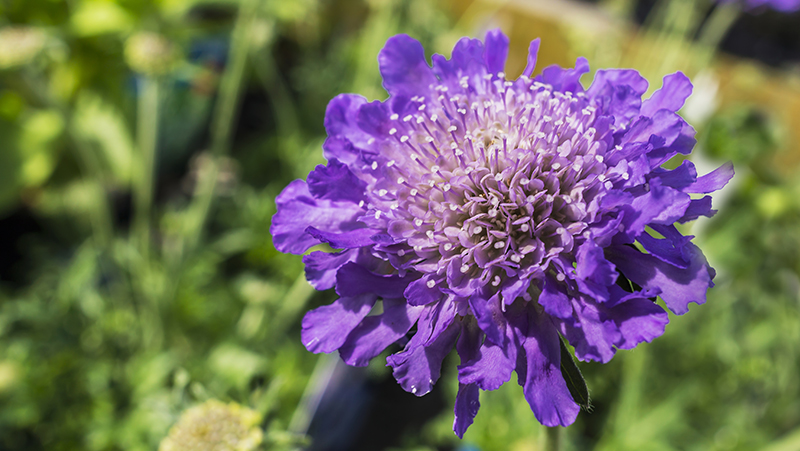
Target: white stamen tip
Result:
[[430, 283], [560, 277]]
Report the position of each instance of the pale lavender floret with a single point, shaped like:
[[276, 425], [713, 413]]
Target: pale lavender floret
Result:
[[495, 215]]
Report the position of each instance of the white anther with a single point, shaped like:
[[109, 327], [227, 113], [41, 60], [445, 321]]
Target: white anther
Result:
[[625, 176], [498, 177], [431, 183], [446, 187], [601, 177], [453, 146], [496, 281], [382, 192], [413, 156], [429, 233], [477, 230], [556, 166], [374, 165], [516, 258], [428, 139], [430, 283], [462, 111], [560, 277], [390, 163], [530, 198], [549, 198], [599, 158], [394, 117], [464, 268], [420, 119], [434, 117], [453, 207], [377, 214], [401, 252], [560, 230], [501, 75], [435, 168], [452, 128], [418, 222], [421, 107], [400, 180], [360, 203], [499, 244], [524, 227], [413, 192], [403, 138], [547, 118], [407, 118]]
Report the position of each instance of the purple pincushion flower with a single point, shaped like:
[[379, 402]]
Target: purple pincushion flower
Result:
[[495, 216]]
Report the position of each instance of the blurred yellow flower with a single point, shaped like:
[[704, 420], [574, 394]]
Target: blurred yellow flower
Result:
[[215, 426]]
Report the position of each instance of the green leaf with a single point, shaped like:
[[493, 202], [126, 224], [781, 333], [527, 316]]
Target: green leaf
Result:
[[574, 379]]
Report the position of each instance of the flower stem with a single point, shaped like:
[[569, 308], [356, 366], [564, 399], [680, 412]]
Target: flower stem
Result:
[[552, 438], [147, 139], [224, 116], [716, 27]]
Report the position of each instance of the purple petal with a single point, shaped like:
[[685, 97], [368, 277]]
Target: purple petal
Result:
[[678, 178], [674, 92], [353, 279], [490, 318], [533, 53], [592, 264], [620, 92], [565, 80], [419, 293], [376, 333], [467, 405], [591, 332], [661, 205], [470, 340], [539, 370], [697, 208], [326, 328], [373, 119], [672, 252], [321, 267], [346, 141], [491, 368], [344, 240], [678, 287], [496, 51], [467, 58], [638, 319], [419, 366], [403, 67], [712, 181], [336, 182], [554, 300], [297, 210]]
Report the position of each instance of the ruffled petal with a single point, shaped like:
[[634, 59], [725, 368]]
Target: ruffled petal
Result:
[[376, 333], [678, 287], [672, 95], [697, 208], [336, 182], [712, 181], [403, 67], [349, 239], [467, 405], [419, 366], [533, 54], [619, 92], [298, 209], [491, 368], [539, 371], [565, 80], [321, 267], [326, 328], [490, 318], [496, 51], [554, 300], [638, 320], [353, 279], [420, 293], [467, 59]]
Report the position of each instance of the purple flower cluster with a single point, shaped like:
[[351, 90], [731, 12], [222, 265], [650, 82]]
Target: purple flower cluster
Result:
[[495, 216]]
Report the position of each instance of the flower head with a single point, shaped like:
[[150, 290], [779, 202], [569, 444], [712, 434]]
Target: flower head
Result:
[[215, 426], [496, 214]]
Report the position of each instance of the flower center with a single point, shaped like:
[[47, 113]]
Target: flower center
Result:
[[497, 175]]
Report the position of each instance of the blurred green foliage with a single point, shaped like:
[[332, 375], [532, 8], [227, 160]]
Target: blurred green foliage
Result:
[[143, 145]]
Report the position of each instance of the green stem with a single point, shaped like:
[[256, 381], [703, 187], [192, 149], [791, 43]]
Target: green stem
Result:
[[224, 116], [715, 29], [552, 438], [147, 137]]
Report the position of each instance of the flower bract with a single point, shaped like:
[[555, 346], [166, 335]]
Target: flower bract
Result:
[[495, 216]]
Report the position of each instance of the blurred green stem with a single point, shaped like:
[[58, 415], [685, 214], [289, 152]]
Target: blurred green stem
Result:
[[224, 116], [715, 29], [147, 137], [552, 438]]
